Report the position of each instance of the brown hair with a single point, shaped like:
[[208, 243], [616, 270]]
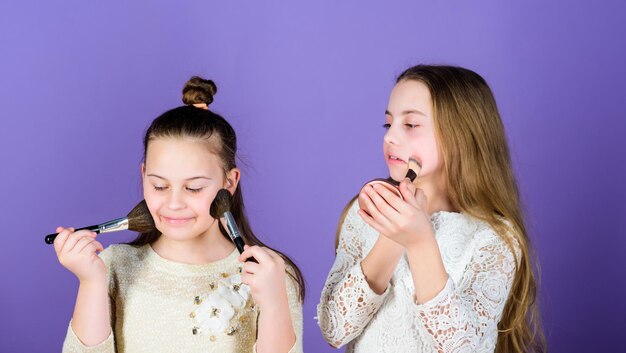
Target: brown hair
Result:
[[205, 125], [198, 90], [480, 182]]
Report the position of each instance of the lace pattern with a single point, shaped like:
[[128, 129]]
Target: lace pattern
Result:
[[463, 317]]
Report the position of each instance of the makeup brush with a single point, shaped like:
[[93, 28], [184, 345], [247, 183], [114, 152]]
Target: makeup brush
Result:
[[220, 208], [415, 168], [138, 220]]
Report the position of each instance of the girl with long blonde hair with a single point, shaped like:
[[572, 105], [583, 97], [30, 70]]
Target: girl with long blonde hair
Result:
[[447, 266]]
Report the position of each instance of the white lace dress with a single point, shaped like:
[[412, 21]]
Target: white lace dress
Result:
[[463, 317]]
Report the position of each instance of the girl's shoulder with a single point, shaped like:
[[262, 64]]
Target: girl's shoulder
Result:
[[117, 255], [459, 227]]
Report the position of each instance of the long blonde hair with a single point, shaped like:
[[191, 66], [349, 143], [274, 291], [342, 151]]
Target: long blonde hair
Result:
[[480, 182]]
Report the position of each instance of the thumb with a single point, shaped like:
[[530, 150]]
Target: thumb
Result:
[[407, 189]]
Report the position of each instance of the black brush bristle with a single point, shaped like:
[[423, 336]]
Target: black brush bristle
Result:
[[221, 204], [139, 218], [413, 165]]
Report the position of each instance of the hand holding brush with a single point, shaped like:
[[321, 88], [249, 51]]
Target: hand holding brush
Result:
[[220, 209]]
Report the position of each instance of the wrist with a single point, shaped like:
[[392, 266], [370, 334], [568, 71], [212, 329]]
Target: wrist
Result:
[[421, 242], [275, 308], [93, 283], [276, 304]]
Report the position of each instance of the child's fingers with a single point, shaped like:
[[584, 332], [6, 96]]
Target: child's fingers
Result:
[[74, 238], [407, 189], [271, 253], [374, 212], [390, 198], [421, 199], [99, 246], [85, 244], [372, 222], [375, 193], [247, 278], [250, 267], [61, 239], [254, 251]]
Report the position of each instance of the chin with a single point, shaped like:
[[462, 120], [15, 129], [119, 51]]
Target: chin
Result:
[[396, 175]]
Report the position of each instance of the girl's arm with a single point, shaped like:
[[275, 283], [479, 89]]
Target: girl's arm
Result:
[[280, 310], [380, 263], [465, 316], [90, 326], [351, 295]]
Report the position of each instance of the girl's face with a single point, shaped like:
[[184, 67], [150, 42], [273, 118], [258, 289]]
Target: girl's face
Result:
[[180, 180], [411, 131]]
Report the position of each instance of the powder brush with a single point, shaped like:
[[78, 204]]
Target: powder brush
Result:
[[138, 219], [220, 208]]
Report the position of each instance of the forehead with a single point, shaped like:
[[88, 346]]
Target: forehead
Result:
[[181, 156], [410, 95]]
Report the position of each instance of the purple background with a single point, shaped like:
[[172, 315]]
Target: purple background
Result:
[[305, 85]]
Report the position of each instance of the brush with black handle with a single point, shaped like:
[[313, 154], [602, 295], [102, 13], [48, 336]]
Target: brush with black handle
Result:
[[220, 208], [138, 219]]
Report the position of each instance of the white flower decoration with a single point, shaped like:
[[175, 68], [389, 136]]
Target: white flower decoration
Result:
[[234, 291], [214, 313]]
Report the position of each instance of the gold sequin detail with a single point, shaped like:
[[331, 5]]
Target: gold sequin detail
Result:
[[215, 312], [192, 315], [197, 300], [212, 338], [225, 275], [231, 331], [236, 287], [212, 285], [195, 330]]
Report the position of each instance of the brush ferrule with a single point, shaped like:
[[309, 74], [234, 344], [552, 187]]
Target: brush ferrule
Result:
[[114, 225], [231, 225]]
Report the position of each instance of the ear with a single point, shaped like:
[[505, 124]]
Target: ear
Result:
[[143, 171], [232, 180]]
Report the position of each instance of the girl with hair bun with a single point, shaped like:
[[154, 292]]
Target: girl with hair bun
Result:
[[184, 287]]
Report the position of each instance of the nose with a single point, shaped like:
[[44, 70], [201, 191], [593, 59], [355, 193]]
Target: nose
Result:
[[176, 200], [391, 136]]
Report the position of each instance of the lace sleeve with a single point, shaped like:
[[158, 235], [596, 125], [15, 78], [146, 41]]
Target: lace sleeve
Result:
[[464, 318], [347, 303]]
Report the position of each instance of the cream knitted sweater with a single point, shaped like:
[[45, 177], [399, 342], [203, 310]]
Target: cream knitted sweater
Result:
[[162, 306]]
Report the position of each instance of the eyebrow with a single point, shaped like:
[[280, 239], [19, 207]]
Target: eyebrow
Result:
[[407, 112], [188, 179]]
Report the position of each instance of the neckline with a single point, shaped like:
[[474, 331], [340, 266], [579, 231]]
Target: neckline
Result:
[[180, 268]]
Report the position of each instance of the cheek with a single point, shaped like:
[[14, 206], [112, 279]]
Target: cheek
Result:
[[427, 150], [154, 200], [202, 204]]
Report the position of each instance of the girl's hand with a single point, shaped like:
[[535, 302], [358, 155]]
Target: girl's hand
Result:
[[404, 221], [266, 278], [77, 251]]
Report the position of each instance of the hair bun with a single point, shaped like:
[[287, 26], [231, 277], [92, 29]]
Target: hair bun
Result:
[[198, 90]]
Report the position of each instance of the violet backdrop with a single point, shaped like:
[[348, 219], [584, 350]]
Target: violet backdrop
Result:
[[305, 85]]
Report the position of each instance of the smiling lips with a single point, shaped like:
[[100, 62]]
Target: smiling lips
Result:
[[175, 221], [395, 160]]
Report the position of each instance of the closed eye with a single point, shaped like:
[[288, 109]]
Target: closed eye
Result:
[[194, 190]]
